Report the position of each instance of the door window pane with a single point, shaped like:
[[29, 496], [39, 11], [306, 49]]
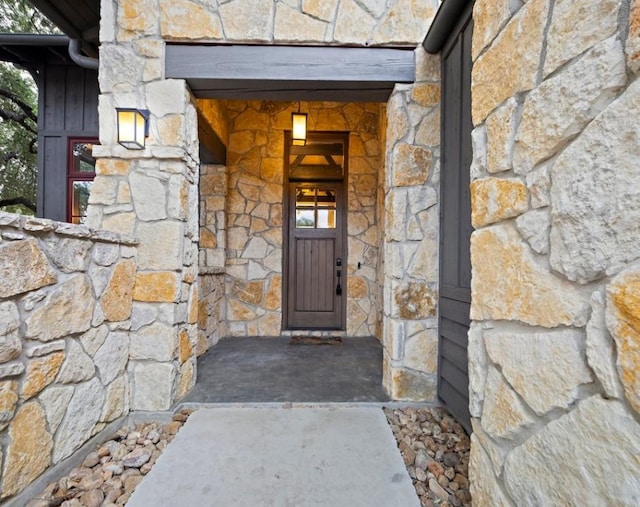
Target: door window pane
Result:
[[326, 198], [315, 208], [304, 219], [305, 197], [326, 219]]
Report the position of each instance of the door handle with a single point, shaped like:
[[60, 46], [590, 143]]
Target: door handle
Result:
[[339, 275]]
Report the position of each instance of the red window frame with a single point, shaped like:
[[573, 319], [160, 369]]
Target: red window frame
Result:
[[75, 175]]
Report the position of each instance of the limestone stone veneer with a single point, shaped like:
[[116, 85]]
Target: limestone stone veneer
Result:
[[554, 357], [207, 256], [66, 295], [94, 324]]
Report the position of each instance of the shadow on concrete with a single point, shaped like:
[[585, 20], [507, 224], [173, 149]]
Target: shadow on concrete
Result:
[[263, 370]]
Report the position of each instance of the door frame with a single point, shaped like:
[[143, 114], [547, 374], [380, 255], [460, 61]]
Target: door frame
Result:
[[344, 137]]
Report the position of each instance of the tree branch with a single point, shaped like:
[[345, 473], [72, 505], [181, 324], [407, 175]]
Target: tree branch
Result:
[[26, 108], [20, 119], [18, 200], [10, 155]]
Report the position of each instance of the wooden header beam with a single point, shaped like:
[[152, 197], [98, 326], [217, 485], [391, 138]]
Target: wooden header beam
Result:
[[290, 72]]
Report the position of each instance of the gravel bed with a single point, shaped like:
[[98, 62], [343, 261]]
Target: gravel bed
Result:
[[109, 475], [435, 449]]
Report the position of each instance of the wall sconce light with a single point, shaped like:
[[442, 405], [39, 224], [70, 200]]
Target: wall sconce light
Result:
[[133, 127], [298, 128]]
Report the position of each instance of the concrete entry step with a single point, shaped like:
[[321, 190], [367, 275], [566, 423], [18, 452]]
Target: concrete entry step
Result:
[[278, 457], [267, 370]]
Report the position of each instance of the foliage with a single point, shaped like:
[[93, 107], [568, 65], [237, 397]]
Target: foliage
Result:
[[18, 114], [19, 16], [18, 137]]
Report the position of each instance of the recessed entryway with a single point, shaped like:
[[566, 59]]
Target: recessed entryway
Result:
[[259, 370]]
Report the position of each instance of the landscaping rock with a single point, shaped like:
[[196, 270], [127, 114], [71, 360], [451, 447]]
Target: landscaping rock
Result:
[[109, 475], [435, 449]]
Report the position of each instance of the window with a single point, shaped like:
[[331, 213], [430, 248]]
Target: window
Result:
[[81, 171], [315, 208]]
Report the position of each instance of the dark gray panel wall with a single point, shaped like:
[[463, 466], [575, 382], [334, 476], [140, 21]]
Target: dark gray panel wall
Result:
[[455, 221], [67, 107]]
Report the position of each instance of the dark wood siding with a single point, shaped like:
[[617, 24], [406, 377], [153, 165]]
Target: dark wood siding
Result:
[[68, 107], [455, 221]]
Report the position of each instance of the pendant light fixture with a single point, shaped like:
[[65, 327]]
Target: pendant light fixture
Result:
[[298, 128]]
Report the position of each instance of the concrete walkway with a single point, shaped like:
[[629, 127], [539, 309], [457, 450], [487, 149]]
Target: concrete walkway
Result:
[[280, 457]]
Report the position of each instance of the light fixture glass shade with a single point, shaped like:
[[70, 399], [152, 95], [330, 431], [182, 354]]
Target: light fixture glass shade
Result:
[[298, 129], [133, 127]]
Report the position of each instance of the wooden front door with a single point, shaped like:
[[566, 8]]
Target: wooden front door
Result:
[[316, 256], [315, 263], [455, 221]]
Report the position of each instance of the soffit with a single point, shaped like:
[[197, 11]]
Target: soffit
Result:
[[79, 19]]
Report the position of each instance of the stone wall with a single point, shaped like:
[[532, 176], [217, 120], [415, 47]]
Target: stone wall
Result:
[[151, 194], [361, 22], [66, 295], [553, 349], [380, 218], [213, 221], [411, 234], [212, 323], [254, 211]]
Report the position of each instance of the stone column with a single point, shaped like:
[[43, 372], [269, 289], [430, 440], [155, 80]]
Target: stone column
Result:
[[410, 336], [151, 194]]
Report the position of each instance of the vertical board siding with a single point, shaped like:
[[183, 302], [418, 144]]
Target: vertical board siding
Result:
[[455, 223], [54, 189], [464, 261], [68, 109], [55, 93], [91, 92], [451, 159], [74, 98]]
